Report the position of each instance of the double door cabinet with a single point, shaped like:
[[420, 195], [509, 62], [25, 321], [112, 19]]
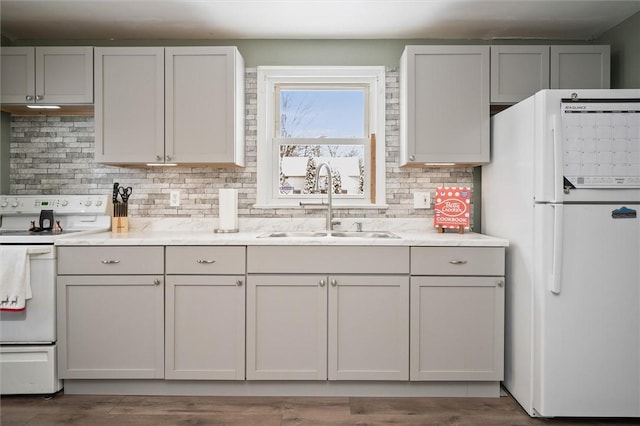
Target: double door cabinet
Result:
[[310, 313], [327, 312], [518, 72], [157, 105], [46, 75]]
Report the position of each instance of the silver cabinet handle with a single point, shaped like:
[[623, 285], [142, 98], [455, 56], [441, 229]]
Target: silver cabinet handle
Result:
[[110, 262], [239, 283], [39, 97], [167, 158], [322, 283], [457, 262], [29, 98], [158, 157], [205, 261], [412, 157], [500, 283], [156, 281], [334, 283]]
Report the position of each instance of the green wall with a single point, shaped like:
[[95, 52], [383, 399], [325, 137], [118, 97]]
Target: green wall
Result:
[[625, 53]]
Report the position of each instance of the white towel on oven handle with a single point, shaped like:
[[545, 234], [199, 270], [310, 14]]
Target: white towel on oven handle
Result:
[[15, 276]]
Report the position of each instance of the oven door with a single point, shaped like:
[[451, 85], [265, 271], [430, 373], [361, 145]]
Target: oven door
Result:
[[37, 322]]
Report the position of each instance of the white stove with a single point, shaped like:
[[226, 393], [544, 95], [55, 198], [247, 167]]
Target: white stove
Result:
[[29, 226], [76, 214]]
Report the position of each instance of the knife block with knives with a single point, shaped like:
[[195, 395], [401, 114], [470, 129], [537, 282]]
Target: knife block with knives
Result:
[[120, 217]]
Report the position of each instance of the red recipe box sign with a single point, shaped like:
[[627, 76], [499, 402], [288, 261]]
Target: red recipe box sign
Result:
[[452, 207]]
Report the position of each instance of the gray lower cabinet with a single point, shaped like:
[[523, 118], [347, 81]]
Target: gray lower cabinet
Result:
[[457, 313], [368, 327], [337, 313], [205, 313], [111, 324]]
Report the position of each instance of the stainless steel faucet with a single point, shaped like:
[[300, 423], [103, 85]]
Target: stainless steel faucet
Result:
[[330, 221]]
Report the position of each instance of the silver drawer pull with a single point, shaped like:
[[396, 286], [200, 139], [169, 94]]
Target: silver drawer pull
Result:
[[205, 261], [334, 283], [239, 283], [457, 262], [321, 283], [110, 262], [156, 281]]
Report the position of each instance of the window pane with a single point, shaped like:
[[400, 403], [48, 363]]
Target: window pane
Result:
[[335, 113], [298, 164]]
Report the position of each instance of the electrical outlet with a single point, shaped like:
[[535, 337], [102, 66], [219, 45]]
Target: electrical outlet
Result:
[[421, 200], [174, 198]]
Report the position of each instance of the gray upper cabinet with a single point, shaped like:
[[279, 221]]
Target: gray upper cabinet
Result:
[[47, 75], [581, 67], [204, 105], [129, 109], [518, 72], [180, 105], [444, 105]]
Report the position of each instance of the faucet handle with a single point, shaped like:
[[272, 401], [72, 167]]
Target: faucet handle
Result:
[[358, 226]]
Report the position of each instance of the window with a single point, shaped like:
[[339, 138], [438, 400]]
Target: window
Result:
[[313, 115]]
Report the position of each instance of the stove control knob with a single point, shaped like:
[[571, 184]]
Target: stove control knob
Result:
[[65, 203], [4, 203], [98, 203], [14, 204], [87, 203]]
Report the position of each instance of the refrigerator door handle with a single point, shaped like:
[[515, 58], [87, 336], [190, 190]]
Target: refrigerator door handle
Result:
[[557, 161], [558, 232]]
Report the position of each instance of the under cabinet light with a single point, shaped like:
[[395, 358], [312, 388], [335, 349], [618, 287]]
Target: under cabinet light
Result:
[[439, 164], [43, 106], [162, 164]]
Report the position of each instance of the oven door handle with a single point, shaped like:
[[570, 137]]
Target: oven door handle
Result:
[[39, 250]]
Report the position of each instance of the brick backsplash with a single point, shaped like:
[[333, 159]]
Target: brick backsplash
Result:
[[55, 154]]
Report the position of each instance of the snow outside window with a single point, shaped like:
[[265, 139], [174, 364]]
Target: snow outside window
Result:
[[313, 115]]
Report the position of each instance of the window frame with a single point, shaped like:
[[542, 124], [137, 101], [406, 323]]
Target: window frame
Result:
[[270, 79]]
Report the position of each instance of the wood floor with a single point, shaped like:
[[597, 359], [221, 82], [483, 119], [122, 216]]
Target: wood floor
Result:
[[92, 410]]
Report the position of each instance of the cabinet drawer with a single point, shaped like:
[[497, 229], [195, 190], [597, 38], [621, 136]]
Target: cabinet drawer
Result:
[[205, 260], [110, 260], [457, 261], [331, 260]]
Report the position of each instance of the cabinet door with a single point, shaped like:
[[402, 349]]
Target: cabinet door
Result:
[[110, 327], [200, 105], [64, 75], [580, 67], [205, 316], [444, 94], [129, 105], [457, 328], [518, 72], [18, 75], [368, 327], [286, 327]]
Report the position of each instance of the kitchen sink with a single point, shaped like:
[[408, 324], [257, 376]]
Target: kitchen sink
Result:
[[293, 234], [365, 234], [339, 234]]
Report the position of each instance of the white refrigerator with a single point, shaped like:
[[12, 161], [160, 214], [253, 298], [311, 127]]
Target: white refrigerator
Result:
[[563, 186]]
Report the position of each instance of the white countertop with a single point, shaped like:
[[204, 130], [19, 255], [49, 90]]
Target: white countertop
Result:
[[163, 232]]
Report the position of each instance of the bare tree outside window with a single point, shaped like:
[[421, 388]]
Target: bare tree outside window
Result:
[[321, 115]]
